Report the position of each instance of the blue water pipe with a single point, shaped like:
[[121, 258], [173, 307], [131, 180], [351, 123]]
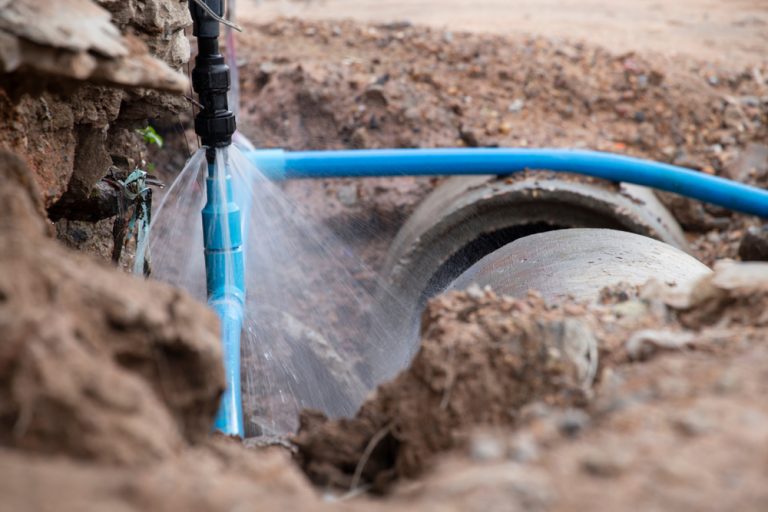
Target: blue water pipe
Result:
[[224, 261], [280, 165], [225, 282]]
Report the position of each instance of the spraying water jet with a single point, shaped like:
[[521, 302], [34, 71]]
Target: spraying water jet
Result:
[[287, 329]]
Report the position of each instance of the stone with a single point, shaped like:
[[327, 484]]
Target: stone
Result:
[[754, 245], [484, 446], [516, 105], [573, 422], [76, 39], [347, 194], [605, 462]]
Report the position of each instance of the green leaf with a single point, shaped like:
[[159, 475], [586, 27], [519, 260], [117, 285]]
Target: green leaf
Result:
[[151, 136]]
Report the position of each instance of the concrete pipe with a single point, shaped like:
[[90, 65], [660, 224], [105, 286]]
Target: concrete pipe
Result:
[[579, 264], [466, 218]]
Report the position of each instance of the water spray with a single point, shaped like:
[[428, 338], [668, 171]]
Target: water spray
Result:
[[222, 232], [299, 351]]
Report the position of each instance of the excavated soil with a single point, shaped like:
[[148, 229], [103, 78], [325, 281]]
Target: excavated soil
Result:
[[96, 364], [653, 399], [331, 85], [485, 359]]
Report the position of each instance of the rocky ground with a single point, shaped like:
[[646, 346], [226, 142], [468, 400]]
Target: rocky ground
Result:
[[652, 399]]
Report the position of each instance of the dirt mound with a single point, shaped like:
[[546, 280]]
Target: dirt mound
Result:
[[677, 422], [481, 359], [484, 358], [95, 363], [217, 477], [403, 86]]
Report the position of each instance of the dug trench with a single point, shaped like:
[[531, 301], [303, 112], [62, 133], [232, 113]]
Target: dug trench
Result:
[[509, 404], [651, 399]]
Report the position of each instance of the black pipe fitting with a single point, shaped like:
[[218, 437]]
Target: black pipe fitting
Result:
[[215, 123]]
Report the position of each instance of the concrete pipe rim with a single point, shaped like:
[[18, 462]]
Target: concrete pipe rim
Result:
[[538, 201]]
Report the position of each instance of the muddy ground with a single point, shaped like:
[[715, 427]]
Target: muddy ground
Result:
[[651, 400]]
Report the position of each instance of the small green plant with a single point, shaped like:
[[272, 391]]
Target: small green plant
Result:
[[151, 136]]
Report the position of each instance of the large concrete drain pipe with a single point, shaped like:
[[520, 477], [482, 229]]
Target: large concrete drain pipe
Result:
[[579, 264], [468, 218]]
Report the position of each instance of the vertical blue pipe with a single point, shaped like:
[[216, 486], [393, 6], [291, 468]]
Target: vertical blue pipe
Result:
[[225, 281]]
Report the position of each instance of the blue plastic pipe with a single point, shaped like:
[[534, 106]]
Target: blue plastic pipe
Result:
[[280, 165], [225, 281]]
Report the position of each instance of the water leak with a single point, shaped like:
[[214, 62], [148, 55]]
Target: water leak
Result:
[[313, 335]]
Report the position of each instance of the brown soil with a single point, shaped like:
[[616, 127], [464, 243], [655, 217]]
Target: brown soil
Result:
[[728, 33], [376, 86], [108, 384], [480, 361], [320, 85], [72, 133], [96, 364], [484, 358], [119, 378]]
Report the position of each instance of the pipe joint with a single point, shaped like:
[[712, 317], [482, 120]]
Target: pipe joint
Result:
[[215, 123]]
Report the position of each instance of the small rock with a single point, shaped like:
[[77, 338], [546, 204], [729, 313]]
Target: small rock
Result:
[[475, 292], [516, 106], [347, 195], [523, 449], [605, 463], [573, 422], [486, 447], [374, 97], [692, 423], [754, 245], [395, 25], [645, 343], [630, 309], [685, 159], [751, 164], [469, 137]]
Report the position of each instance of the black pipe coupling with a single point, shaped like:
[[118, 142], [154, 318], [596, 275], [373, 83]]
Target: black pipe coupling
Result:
[[215, 123]]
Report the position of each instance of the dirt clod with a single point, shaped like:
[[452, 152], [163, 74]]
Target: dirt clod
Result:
[[480, 361], [96, 364]]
